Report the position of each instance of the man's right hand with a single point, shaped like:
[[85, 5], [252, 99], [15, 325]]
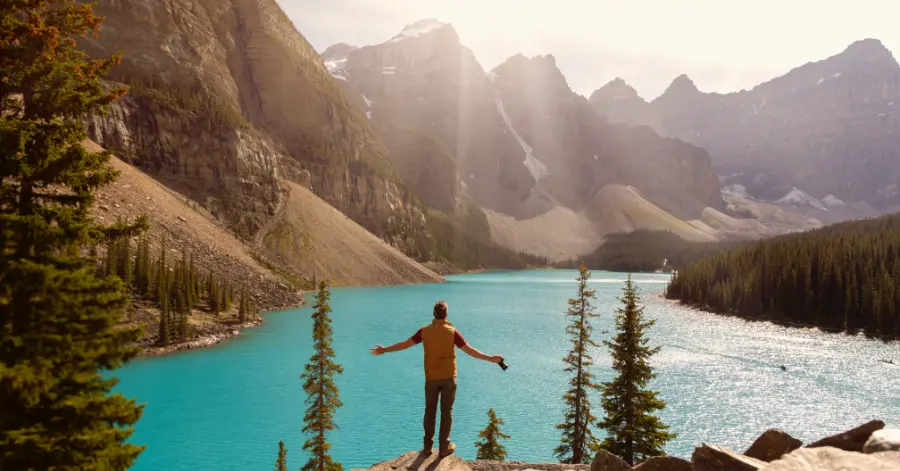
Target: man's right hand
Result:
[[497, 358], [378, 350]]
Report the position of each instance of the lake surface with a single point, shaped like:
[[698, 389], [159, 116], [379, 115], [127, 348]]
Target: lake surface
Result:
[[225, 408]]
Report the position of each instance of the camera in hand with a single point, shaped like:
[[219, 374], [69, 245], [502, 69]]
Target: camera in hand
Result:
[[503, 364]]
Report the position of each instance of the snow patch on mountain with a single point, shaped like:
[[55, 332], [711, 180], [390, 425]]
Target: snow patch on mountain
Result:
[[338, 68], [417, 29], [832, 201], [535, 167], [797, 197], [336, 65], [737, 189]]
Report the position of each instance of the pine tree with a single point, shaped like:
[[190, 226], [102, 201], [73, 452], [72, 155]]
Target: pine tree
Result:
[[229, 297], [634, 433], [58, 316], [111, 257], [184, 328], [142, 266], [281, 462], [322, 392], [242, 305], [126, 268], [577, 439], [164, 321], [490, 448]]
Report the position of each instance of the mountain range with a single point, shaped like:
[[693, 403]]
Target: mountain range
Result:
[[822, 136], [231, 107], [529, 150]]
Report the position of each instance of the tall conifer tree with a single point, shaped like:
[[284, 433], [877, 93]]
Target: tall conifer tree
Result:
[[322, 393], [490, 448], [634, 433], [577, 440], [281, 462], [57, 316]]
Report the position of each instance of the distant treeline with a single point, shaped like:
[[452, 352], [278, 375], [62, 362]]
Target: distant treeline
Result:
[[646, 251], [845, 276]]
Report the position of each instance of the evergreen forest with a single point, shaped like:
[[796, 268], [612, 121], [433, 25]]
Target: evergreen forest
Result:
[[841, 277], [644, 251]]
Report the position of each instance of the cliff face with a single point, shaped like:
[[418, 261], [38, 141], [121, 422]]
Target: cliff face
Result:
[[619, 102], [521, 141], [423, 81], [234, 98], [580, 152], [825, 128]]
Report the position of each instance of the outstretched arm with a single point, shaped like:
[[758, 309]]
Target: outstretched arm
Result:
[[473, 352], [379, 350]]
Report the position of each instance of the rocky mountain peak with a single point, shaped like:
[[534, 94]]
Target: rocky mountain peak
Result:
[[869, 48], [866, 54], [682, 84], [617, 89], [426, 27], [338, 51], [540, 69]]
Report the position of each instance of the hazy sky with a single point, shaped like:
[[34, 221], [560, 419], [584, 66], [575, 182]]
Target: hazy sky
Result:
[[723, 45]]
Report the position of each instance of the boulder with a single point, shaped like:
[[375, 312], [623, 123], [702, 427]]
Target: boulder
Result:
[[416, 461], [606, 461], [886, 439], [851, 440], [772, 444], [828, 458], [663, 463], [716, 458], [491, 465]]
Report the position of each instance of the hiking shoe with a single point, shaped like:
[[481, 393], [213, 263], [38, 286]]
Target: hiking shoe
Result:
[[449, 451]]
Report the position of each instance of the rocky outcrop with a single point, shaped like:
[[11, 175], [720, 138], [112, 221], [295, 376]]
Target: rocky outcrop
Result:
[[779, 451], [887, 439], [606, 461], [664, 463], [230, 98], [490, 465], [772, 444], [716, 458], [833, 459], [851, 440], [231, 171], [828, 128], [416, 461]]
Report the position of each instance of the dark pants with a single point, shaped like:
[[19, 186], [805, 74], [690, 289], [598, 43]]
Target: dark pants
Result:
[[446, 390]]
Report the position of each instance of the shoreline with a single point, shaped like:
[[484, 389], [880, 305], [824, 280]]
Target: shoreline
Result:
[[218, 333], [783, 323]]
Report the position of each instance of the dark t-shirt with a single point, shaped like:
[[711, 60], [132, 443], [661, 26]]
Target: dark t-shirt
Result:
[[458, 339]]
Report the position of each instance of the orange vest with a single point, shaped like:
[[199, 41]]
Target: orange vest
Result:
[[440, 351]]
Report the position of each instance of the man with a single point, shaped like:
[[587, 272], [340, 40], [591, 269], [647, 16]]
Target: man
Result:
[[438, 340]]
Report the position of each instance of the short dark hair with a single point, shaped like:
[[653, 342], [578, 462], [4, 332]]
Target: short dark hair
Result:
[[440, 310]]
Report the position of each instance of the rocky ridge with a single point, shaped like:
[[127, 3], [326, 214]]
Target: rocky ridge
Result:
[[228, 99], [517, 139], [868, 447], [524, 146], [827, 129]]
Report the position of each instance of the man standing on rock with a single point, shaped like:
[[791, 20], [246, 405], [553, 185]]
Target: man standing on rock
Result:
[[439, 339]]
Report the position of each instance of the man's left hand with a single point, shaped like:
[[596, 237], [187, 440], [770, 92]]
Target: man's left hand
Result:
[[378, 350]]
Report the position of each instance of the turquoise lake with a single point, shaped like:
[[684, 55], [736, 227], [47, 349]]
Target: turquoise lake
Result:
[[226, 407]]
